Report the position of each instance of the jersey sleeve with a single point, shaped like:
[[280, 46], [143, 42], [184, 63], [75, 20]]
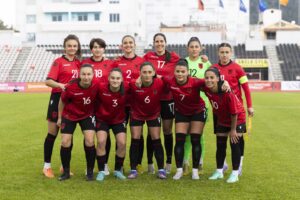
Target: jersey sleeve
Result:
[[174, 57], [54, 71], [198, 83]]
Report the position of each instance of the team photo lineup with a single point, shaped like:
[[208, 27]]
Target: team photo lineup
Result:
[[171, 95]]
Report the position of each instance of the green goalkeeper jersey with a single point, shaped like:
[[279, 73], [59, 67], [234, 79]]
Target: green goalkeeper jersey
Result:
[[197, 69]]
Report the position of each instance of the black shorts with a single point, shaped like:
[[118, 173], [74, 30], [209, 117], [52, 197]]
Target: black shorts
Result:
[[151, 123], [241, 128], [202, 116], [52, 114], [68, 126], [116, 128], [167, 109]]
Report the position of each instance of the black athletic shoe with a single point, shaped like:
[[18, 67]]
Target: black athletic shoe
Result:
[[89, 175], [65, 175]]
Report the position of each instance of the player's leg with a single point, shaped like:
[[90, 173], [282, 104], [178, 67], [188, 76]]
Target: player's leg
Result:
[[136, 132], [154, 128], [52, 115], [120, 135], [67, 130], [102, 132]]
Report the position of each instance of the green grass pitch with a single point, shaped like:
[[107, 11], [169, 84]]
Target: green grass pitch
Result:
[[270, 171]]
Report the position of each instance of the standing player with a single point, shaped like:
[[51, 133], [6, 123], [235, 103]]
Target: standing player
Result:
[[145, 107], [164, 64], [190, 114], [77, 105], [102, 68], [61, 72], [110, 114], [237, 79], [197, 66], [129, 64], [230, 122]]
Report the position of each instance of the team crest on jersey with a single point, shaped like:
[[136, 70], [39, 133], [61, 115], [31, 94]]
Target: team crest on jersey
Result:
[[200, 65], [230, 71], [154, 91], [189, 90]]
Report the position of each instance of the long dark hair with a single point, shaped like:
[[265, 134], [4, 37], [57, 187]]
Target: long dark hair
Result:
[[217, 73], [167, 53], [74, 37], [116, 69]]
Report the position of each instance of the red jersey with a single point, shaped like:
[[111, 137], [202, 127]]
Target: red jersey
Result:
[[163, 67], [145, 103], [101, 68], [110, 106], [224, 105], [186, 97], [79, 102], [130, 67], [232, 72], [63, 70]]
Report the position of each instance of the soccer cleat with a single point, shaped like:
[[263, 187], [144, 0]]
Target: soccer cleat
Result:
[[48, 172], [233, 178], [151, 169], [100, 176], [89, 175], [225, 167], [216, 175], [200, 169], [162, 174], [178, 175], [186, 169], [133, 174], [240, 170], [195, 174], [168, 168], [61, 170], [119, 175], [66, 175], [106, 170], [139, 169]]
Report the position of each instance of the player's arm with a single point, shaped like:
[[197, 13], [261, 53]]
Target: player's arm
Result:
[[245, 85], [53, 84], [61, 106], [233, 134]]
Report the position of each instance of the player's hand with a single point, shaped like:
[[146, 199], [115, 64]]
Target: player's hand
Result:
[[234, 138], [58, 123], [250, 112], [204, 58], [226, 87], [138, 82], [62, 86]]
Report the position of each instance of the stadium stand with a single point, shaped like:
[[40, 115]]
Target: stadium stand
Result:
[[8, 56], [240, 52], [31, 64], [289, 55]]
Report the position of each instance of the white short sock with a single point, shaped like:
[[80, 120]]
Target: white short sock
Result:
[[220, 171], [235, 172], [47, 165]]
